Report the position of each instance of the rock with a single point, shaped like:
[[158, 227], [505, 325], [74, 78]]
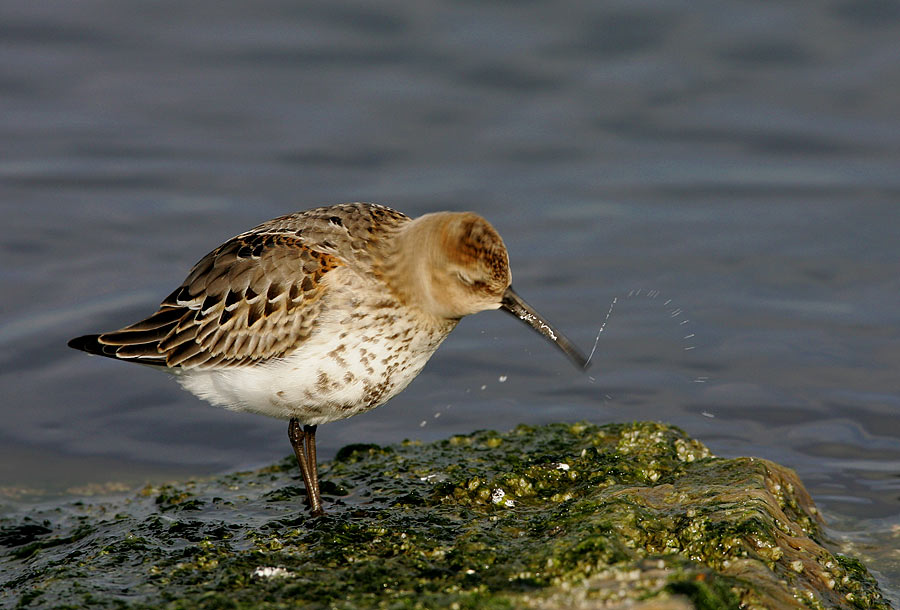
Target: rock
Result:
[[558, 516]]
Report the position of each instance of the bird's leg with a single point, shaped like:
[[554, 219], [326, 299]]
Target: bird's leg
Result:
[[303, 440], [310, 432]]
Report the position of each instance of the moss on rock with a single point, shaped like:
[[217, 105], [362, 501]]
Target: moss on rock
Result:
[[557, 516]]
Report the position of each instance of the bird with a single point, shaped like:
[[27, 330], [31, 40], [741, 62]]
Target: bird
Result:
[[323, 314]]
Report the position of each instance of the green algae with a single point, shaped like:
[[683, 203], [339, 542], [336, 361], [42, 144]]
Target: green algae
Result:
[[546, 517]]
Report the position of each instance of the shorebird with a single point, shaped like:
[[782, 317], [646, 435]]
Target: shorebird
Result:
[[323, 314]]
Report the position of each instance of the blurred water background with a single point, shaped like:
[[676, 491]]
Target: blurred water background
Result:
[[729, 172]]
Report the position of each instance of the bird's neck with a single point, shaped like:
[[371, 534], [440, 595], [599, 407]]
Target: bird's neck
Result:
[[410, 264]]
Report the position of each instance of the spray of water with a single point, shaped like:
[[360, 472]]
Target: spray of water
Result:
[[673, 311], [599, 332]]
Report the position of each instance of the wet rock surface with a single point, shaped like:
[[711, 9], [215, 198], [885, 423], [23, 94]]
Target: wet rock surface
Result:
[[557, 516]]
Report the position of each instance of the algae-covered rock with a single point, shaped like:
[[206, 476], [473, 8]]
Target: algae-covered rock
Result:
[[558, 516]]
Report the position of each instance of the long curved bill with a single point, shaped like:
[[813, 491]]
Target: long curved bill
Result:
[[514, 304]]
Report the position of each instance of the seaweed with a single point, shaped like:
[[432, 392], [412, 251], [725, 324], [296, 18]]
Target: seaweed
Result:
[[544, 517]]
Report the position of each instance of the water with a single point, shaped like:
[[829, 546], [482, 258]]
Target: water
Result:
[[739, 160]]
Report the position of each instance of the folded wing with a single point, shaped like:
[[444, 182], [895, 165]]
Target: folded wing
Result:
[[254, 298]]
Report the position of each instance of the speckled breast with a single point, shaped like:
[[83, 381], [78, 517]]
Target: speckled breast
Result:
[[363, 352]]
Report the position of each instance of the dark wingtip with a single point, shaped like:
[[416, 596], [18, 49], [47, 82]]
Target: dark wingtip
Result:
[[87, 343], [92, 345]]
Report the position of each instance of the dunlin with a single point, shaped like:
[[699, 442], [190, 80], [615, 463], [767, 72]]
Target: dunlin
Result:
[[323, 314]]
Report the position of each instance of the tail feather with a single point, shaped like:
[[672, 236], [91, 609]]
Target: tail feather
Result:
[[164, 318], [92, 344], [133, 337], [145, 353], [154, 329]]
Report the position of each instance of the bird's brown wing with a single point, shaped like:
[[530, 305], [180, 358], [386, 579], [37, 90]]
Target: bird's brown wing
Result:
[[255, 297]]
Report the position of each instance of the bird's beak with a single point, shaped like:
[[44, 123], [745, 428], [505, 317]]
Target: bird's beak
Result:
[[514, 304]]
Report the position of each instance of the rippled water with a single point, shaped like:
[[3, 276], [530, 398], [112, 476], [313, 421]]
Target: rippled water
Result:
[[728, 172]]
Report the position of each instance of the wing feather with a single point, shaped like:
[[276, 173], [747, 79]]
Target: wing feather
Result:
[[255, 297], [252, 299]]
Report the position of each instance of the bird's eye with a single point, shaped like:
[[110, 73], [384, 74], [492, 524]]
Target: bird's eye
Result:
[[465, 279]]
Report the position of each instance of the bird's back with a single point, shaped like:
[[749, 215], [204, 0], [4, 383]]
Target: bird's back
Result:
[[258, 296]]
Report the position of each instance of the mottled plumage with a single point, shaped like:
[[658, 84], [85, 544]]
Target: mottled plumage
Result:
[[322, 314], [258, 295]]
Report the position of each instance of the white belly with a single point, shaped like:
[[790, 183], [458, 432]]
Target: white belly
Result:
[[327, 378]]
